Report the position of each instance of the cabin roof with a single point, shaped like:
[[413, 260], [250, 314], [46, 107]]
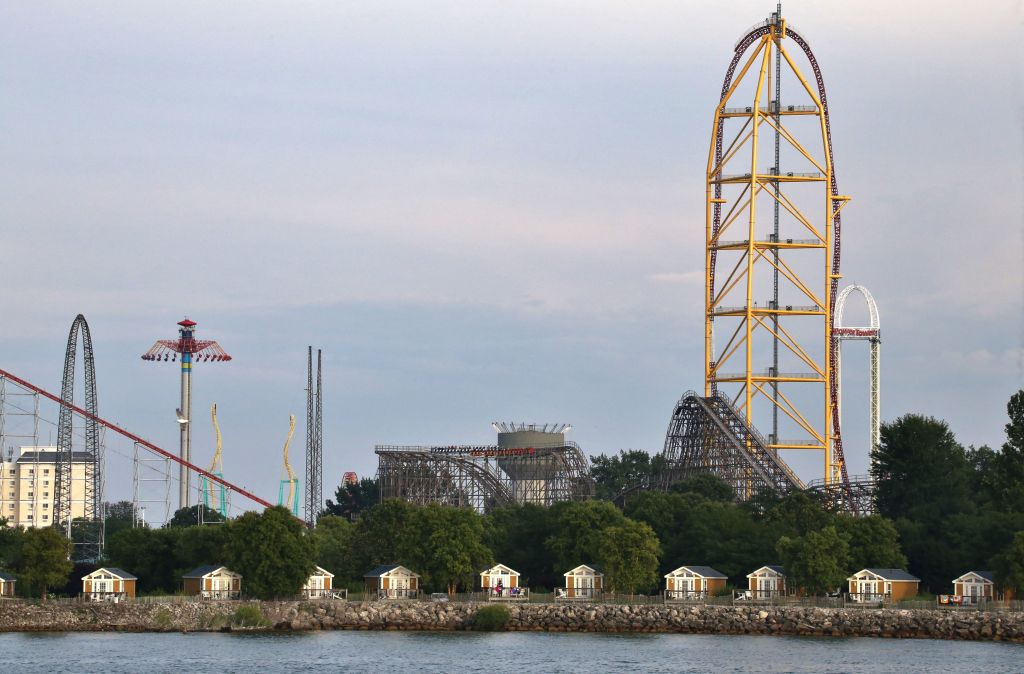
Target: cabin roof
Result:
[[771, 567], [6, 577], [702, 571], [113, 571], [206, 570], [891, 574], [385, 569], [593, 567], [508, 569], [984, 575]]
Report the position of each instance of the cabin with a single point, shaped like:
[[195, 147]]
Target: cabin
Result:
[[108, 584], [693, 582], [977, 587], [319, 584], [586, 581], [767, 582], [502, 583], [213, 582], [7, 582], [391, 581], [882, 585]]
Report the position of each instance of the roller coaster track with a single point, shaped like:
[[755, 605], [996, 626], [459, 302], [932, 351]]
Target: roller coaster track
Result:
[[90, 417], [708, 435]]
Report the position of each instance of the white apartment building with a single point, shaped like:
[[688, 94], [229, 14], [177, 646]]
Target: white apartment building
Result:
[[27, 486]]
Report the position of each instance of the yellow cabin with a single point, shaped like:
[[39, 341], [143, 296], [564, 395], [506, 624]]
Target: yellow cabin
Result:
[[871, 585], [108, 584], [767, 582], [586, 581], [391, 581], [319, 584], [213, 582], [7, 582], [693, 582]]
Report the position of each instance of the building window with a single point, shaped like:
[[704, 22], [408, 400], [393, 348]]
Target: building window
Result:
[[46, 471], [11, 495], [12, 472], [46, 506], [30, 518], [46, 494], [46, 517], [31, 471], [46, 483], [31, 495]]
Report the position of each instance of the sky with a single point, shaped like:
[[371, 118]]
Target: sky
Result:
[[479, 211]]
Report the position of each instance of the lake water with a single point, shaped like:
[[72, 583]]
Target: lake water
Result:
[[383, 652]]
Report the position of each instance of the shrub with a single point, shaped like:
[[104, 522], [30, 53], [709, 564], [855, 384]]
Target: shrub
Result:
[[248, 615], [162, 618], [491, 618]]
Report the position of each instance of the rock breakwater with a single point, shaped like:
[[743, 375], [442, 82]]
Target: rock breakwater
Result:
[[18, 616]]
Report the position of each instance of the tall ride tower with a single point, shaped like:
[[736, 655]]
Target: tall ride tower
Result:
[[314, 439], [191, 351], [772, 247]]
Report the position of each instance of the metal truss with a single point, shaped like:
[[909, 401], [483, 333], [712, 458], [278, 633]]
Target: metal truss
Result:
[[857, 497], [709, 435], [741, 252], [484, 477], [314, 439], [88, 537]]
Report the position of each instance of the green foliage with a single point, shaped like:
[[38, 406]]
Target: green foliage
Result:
[[613, 474], [45, 559], [118, 517], [1009, 565], [189, 517], [453, 550], [797, 514], [577, 530], [491, 618], [874, 542], [922, 472], [11, 539], [817, 562], [707, 485], [162, 618], [272, 551], [149, 554], [249, 615], [384, 534], [354, 499], [517, 537], [629, 556], [333, 537]]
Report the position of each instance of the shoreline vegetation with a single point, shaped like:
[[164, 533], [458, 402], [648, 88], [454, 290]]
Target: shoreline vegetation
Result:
[[301, 616]]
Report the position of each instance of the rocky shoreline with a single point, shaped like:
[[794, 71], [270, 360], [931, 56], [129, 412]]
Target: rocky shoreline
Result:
[[175, 616]]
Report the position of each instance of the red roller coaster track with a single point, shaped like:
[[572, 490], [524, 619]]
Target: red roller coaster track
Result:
[[134, 438]]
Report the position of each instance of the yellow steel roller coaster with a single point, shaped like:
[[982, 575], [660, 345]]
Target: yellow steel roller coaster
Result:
[[289, 480], [771, 272]]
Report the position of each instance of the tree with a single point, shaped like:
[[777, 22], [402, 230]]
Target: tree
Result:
[[817, 562], [797, 514], [613, 474], [118, 516], [199, 546], [1008, 482], [454, 550], [11, 539], [576, 528], [1009, 565], [151, 555], [45, 559], [354, 499], [874, 542], [707, 485], [629, 556], [921, 471], [385, 534], [272, 553], [334, 537], [517, 536], [189, 517]]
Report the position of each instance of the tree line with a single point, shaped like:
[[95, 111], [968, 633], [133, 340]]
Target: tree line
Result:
[[944, 509]]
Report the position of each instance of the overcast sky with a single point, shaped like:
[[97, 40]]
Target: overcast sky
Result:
[[480, 211]]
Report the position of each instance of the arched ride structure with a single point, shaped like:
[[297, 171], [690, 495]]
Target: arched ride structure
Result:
[[772, 272], [872, 334], [84, 524], [484, 477]]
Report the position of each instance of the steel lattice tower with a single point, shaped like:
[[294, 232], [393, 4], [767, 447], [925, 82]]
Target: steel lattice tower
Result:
[[191, 350], [747, 249], [90, 535], [314, 438], [873, 335]]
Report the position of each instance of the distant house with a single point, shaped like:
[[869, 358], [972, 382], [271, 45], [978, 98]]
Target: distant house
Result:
[[501, 582], [977, 587], [586, 581], [391, 581], [693, 582], [767, 582], [213, 582], [882, 585], [7, 582], [108, 584], [319, 584]]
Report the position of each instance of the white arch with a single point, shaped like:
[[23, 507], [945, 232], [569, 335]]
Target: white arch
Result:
[[873, 334]]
